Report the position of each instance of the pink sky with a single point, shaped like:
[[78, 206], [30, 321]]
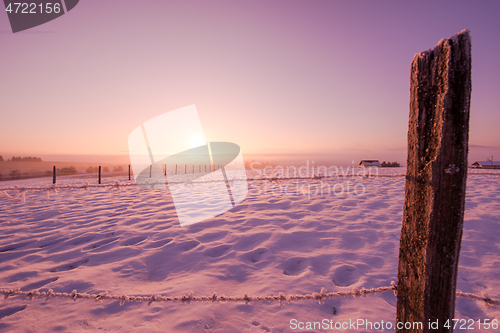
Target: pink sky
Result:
[[286, 76]]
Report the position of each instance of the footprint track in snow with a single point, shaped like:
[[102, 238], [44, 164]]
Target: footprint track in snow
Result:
[[218, 251], [295, 266], [256, 255], [69, 266], [346, 275]]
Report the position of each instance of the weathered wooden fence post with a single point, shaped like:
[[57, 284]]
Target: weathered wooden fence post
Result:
[[54, 175], [436, 174], [129, 172], [99, 174]]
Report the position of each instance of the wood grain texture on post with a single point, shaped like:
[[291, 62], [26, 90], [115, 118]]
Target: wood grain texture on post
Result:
[[436, 173]]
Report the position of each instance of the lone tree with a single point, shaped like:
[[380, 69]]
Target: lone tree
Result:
[[436, 172]]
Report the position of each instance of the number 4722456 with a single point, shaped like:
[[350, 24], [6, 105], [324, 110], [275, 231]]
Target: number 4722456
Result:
[[33, 8]]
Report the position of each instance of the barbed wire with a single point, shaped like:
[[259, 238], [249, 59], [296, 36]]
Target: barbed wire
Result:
[[322, 295], [21, 191], [117, 185], [485, 298], [214, 298]]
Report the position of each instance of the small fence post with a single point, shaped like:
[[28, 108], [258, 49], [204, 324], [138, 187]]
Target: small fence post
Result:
[[150, 167], [99, 174], [54, 175], [176, 169], [129, 172], [185, 168], [436, 173]]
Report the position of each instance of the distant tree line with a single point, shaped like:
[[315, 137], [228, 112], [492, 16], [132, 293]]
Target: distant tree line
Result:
[[24, 159], [104, 169], [18, 174], [71, 170], [389, 164]]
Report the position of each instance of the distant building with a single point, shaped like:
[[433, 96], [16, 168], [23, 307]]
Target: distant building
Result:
[[369, 163], [486, 165]]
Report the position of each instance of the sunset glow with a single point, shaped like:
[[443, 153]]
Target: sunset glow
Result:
[[249, 166], [196, 141], [279, 77]]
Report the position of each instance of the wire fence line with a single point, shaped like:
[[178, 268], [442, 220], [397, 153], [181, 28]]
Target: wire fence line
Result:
[[322, 295], [214, 298], [21, 191]]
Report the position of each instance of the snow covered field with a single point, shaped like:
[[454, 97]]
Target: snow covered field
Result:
[[130, 242]]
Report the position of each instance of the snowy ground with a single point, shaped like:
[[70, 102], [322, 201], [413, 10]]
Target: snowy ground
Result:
[[130, 242]]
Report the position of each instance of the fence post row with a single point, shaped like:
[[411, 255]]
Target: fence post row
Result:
[[215, 167], [436, 172]]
